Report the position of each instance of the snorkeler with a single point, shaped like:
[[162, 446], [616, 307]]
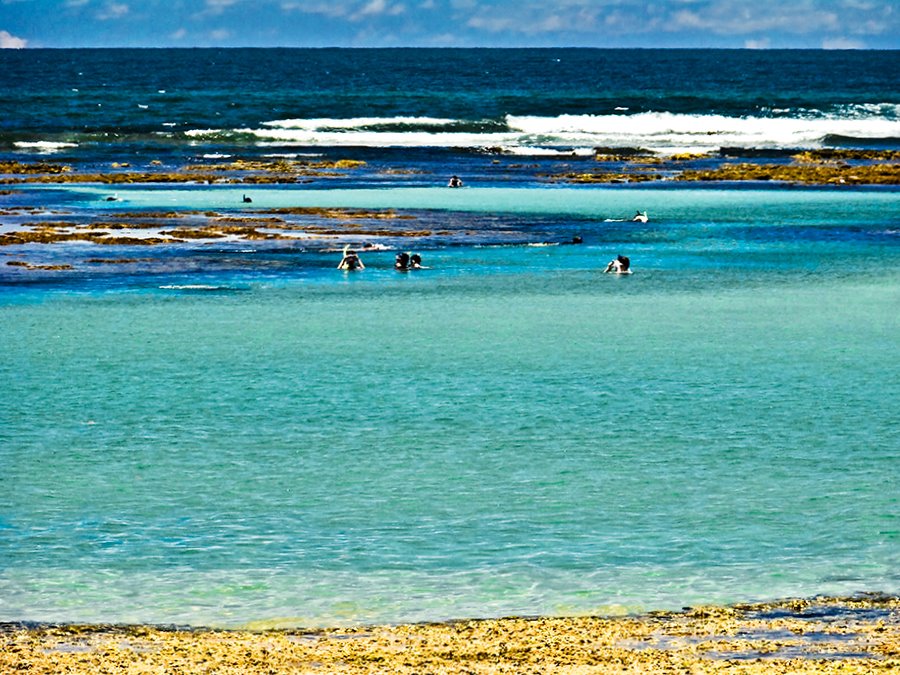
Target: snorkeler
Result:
[[350, 262], [401, 262], [620, 265]]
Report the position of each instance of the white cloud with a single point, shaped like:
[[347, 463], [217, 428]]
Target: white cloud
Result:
[[763, 43], [859, 4], [548, 25], [373, 7], [76, 4], [8, 41], [217, 7], [446, 40], [842, 43], [355, 11], [748, 21], [113, 10], [492, 24], [179, 34], [220, 34], [872, 28], [726, 19], [535, 19], [378, 8], [331, 10]]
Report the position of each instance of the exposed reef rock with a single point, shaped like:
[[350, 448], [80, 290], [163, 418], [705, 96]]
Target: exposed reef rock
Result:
[[240, 171], [30, 266], [323, 212], [814, 167], [610, 177], [812, 174], [831, 155], [52, 236], [33, 168], [115, 261], [288, 223], [818, 636]]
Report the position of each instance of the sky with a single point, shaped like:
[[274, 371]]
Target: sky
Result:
[[753, 24]]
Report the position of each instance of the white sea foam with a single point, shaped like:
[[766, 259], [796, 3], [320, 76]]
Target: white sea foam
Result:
[[291, 155], [44, 147], [663, 132], [193, 287], [666, 131], [368, 138], [356, 123], [528, 151]]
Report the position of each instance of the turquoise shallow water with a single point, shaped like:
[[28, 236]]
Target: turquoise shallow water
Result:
[[524, 437], [665, 205]]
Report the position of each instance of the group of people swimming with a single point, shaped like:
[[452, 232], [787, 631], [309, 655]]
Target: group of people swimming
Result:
[[408, 261], [413, 261], [403, 262]]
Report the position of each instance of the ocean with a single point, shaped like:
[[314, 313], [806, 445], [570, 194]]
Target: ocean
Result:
[[232, 432]]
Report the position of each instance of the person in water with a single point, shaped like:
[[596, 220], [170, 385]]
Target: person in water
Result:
[[640, 217], [415, 261], [401, 262], [621, 265], [455, 182], [350, 261]]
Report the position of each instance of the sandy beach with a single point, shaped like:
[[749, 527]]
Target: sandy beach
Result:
[[823, 635]]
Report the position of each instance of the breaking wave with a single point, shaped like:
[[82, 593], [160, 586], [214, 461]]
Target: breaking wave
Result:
[[522, 134]]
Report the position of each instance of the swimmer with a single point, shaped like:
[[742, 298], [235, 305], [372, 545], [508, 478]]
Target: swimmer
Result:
[[350, 262], [620, 265], [401, 262], [455, 182]]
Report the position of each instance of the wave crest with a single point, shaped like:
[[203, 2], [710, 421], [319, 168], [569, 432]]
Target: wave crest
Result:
[[662, 132]]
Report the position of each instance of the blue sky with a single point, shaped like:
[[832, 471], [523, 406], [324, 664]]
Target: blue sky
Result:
[[830, 24]]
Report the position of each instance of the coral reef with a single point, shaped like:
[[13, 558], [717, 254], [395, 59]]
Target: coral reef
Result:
[[31, 266], [814, 174], [268, 224], [813, 167], [33, 168], [238, 172]]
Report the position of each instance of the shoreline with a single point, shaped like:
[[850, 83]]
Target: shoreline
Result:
[[860, 634]]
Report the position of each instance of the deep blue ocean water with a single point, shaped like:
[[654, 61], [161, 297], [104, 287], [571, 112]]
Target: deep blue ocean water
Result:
[[236, 433], [143, 100]]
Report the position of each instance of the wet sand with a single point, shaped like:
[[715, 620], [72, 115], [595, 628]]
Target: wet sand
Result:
[[824, 635]]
